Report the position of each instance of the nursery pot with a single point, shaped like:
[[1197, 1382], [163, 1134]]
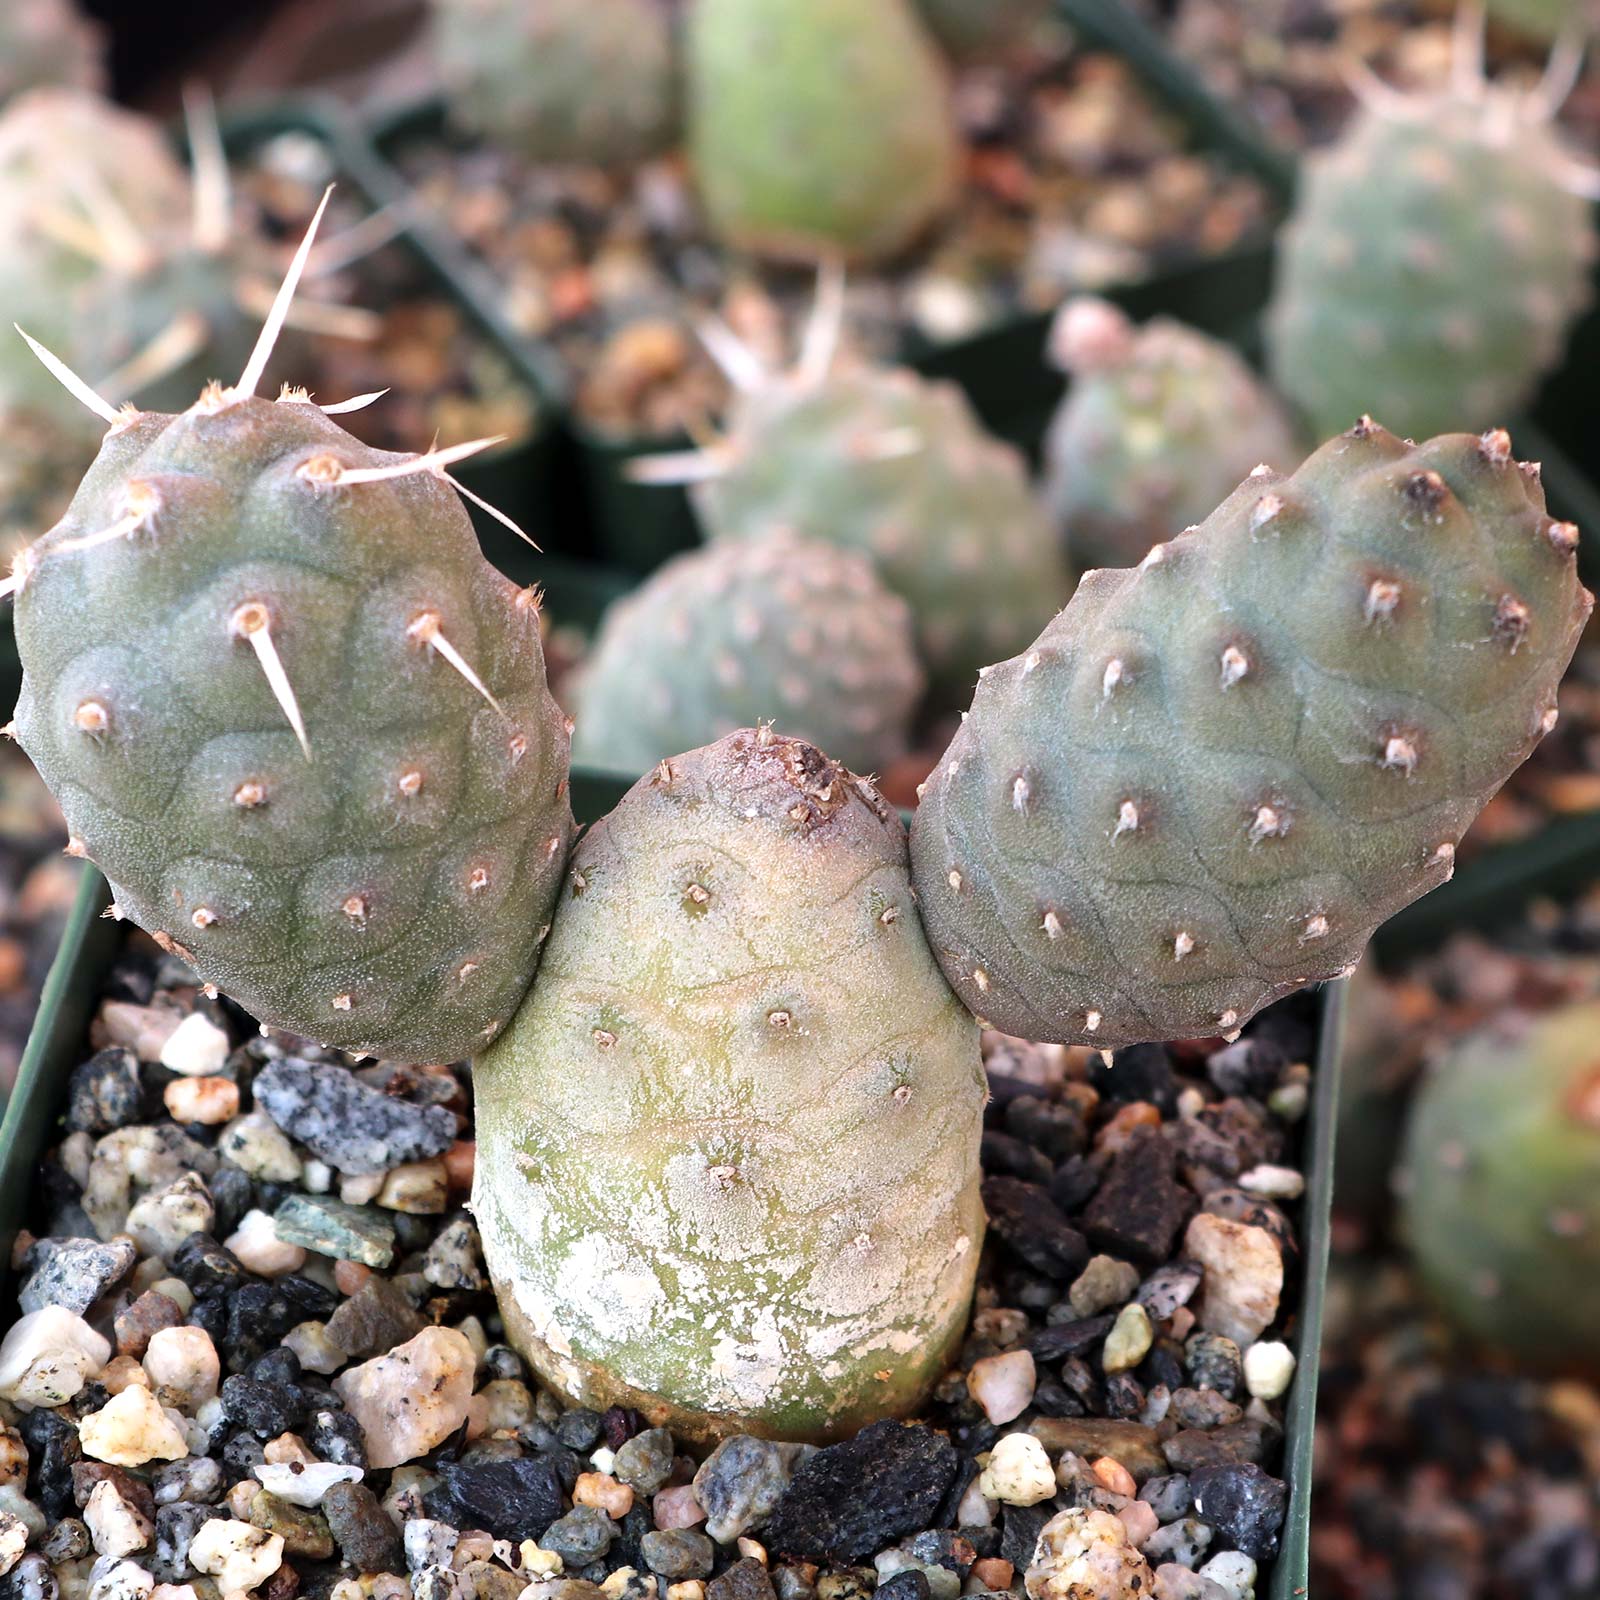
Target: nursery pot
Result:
[[90, 944]]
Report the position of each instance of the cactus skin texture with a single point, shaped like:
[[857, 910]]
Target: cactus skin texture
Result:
[[1160, 424], [588, 81], [1501, 1186], [898, 468], [819, 128], [728, 1148], [386, 893], [1215, 774], [1431, 268], [784, 629], [47, 42], [981, 29]]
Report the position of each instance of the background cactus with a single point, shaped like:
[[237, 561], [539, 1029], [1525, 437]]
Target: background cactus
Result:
[[980, 28], [884, 462], [1161, 422], [1542, 19], [728, 1164], [818, 127], [47, 41], [591, 81], [1500, 1185], [299, 722], [1214, 775], [783, 629], [1432, 265]]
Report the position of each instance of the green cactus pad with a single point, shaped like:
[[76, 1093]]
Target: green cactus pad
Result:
[[1432, 266], [819, 128], [784, 630], [1500, 1186], [1215, 774], [385, 893], [886, 463], [1160, 424], [728, 1149], [591, 81]]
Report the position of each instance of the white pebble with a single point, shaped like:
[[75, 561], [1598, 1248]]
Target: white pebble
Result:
[[1003, 1384], [174, 1591], [1083, 1554], [113, 1579], [1235, 1572], [255, 1144], [1243, 1276], [130, 1429], [238, 1555], [116, 1527], [143, 1029], [13, 1541], [315, 1351], [413, 1398], [302, 1485], [1273, 1183], [162, 1219], [1268, 1368], [184, 1361], [976, 1509], [196, 1048], [360, 1189], [259, 1249], [48, 1355], [1018, 1471], [318, 1177]]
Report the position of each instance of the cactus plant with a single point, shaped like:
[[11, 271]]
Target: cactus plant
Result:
[[785, 629], [592, 81], [1500, 1185], [1542, 19], [897, 467], [727, 1164], [298, 720], [1160, 423], [47, 42], [981, 28], [1215, 774], [135, 276], [818, 128], [1433, 263]]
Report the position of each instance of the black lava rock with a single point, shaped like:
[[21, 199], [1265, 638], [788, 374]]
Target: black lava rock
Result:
[[259, 1314], [206, 1266], [1250, 1066], [908, 1585], [509, 1499], [850, 1500], [262, 1407], [1054, 1126], [1140, 1205], [1024, 1217], [336, 1436], [1019, 1532], [232, 1194], [53, 1448], [579, 1429], [1002, 1153], [1074, 1183], [1244, 1504], [1069, 1338], [1139, 1072]]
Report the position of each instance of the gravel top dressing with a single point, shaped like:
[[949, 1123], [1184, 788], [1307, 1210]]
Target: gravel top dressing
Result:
[[256, 1350]]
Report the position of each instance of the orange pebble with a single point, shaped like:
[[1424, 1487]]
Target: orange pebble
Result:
[[601, 1490], [350, 1276], [994, 1573], [459, 1161], [1114, 1476]]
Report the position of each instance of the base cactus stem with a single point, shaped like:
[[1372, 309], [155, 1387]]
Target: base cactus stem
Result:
[[728, 1149]]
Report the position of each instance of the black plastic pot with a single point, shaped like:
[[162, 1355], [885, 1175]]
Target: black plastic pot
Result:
[[90, 944]]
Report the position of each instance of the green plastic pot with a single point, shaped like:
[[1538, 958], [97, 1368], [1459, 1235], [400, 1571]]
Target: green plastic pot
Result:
[[90, 943]]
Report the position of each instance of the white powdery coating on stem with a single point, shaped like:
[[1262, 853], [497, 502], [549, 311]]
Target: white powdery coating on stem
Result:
[[741, 1216]]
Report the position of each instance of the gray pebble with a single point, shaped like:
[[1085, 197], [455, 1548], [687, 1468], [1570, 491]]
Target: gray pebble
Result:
[[740, 1483], [347, 1124], [1202, 1408], [68, 1540], [1214, 1362], [1168, 1288], [644, 1462], [582, 1536], [1184, 1542], [194, 1478], [429, 1543], [677, 1553], [176, 1526], [1175, 1582], [32, 1579], [1169, 1497], [453, 1260], [73, 1273]]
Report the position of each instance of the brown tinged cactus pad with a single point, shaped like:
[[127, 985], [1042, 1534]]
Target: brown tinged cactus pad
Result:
[[1214, 775], [728, 1149], [300, 722]]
